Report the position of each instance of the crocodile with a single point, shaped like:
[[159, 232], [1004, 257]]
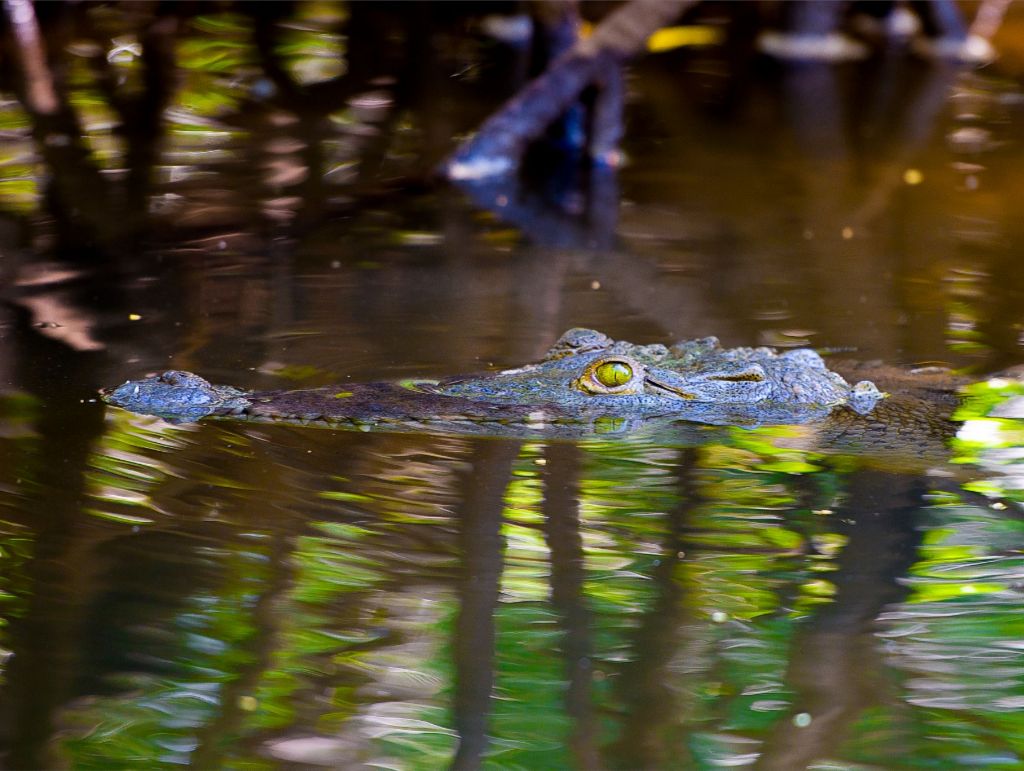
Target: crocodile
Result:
[[587, 382]]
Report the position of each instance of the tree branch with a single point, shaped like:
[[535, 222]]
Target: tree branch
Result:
[[502, 139]]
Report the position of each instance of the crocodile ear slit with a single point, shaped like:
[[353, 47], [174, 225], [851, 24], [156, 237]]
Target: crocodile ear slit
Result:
[[744, 377]]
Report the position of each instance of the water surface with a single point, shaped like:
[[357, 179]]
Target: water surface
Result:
[[229, 595]]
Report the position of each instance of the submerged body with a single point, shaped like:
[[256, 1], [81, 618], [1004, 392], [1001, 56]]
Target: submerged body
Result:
[[586, 379]]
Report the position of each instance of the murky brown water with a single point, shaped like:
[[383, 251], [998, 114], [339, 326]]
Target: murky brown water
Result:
[[245, 595]]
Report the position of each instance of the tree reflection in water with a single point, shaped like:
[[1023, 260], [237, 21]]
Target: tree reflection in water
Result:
[[619, 603]]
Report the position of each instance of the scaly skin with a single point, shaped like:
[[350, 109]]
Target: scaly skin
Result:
[[660, 381], [587, 382]]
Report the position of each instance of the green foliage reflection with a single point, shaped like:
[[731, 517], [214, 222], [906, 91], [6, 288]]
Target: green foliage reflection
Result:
[[685, 605]]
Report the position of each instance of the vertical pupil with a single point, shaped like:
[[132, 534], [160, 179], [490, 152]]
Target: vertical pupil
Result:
[[614, 373]]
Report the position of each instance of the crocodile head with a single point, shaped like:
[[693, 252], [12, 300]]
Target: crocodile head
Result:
[[588, 372], [586, 376], [176, 395]]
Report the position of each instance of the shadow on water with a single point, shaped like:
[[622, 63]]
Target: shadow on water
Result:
[[272, 596]]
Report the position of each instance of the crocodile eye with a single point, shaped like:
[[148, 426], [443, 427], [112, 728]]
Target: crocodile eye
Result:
[[613, 374]]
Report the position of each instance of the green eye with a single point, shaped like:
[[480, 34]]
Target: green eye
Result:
[[613, 374]]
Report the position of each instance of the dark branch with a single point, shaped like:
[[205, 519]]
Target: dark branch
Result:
[[502, 139]]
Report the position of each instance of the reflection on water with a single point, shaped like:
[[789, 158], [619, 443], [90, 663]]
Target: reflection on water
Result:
[[254, 594]]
